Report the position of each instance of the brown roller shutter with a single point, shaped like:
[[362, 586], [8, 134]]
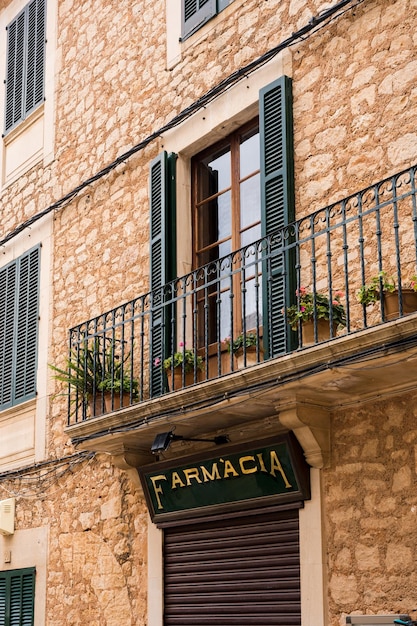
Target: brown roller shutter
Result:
[[236, 571]]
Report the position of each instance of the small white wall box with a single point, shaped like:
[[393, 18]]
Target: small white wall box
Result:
[[7, 516], [374, 620]]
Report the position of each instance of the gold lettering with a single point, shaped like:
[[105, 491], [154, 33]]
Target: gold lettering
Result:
[[261, 462], [276, 465], [214, 473], [176, 481], [190, 474], [247, 470], [157, 488], [229, 469]]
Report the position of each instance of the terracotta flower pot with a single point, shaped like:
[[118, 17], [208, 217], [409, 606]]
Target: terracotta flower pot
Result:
[[178, 383], [251, 358], [96, 407], [323, 331], [391, 305]]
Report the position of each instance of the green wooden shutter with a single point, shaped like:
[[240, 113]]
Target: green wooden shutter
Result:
[[19, 311], [35, 54], [8, 281], [277, 203], [25, 62], [162, 263], [15, 70], [27, 314], [17, 596], [195, 13]]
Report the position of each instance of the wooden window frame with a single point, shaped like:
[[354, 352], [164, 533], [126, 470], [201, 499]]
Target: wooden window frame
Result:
[[233, 140]]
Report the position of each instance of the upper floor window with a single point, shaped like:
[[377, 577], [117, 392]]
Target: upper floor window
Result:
[[196, 12], [227, 216], [19, 311], [25, 63]]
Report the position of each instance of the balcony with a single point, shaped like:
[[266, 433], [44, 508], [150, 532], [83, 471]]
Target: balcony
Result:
[[258, 299]]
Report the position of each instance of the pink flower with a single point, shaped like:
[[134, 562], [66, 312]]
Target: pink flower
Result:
[[302, 309], [157, 361], [301, 292], [181, 344]]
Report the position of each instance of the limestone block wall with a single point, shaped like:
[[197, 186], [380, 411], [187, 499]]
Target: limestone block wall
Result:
[[96, 522], [370, 500], [354, 122]]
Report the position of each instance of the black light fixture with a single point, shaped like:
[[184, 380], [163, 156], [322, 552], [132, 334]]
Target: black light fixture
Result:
[[163, 440]]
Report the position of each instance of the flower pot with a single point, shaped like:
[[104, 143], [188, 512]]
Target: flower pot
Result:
[[323, 331], [250, 354], [116, 401], [391, 305], [96, 407], [178, 383]]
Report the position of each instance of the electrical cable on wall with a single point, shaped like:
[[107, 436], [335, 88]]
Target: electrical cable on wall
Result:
[[312, 26]]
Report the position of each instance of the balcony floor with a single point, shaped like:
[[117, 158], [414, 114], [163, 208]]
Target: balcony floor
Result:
[[351, 369]]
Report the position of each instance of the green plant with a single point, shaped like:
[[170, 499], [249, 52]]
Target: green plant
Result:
[[183, 358], [89, 369], [116, 385], [244, 339], [379, 284], [316, 306]]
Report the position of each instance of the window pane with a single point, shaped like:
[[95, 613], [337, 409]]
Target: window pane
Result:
[[249, 155], [253, 303], [218, 172], [250, 235], [214, 220], [250, 201]]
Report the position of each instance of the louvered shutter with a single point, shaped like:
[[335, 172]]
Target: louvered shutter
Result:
[[25, 62], [27, 326], [8, 283], [35, 54], [15, 70], [195, 13], [17, 594], [19, 310], [277, 205], [2, 601], [241, 572], [162, 263]]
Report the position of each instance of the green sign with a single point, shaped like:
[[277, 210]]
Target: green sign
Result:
[[275, 471]]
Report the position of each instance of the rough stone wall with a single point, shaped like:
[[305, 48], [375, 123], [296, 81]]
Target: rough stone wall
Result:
[[371, 509], [97, 526], [354, 117], [355, 101]]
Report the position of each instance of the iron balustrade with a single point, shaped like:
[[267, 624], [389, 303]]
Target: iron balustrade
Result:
[[248, 298]]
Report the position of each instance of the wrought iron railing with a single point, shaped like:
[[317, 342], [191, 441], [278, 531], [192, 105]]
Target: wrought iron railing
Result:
[[249, 300]]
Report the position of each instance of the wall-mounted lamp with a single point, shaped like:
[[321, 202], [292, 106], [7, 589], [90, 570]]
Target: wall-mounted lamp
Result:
[[163, 440]]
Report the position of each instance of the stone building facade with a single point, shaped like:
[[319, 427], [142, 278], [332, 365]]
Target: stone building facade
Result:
[[120, 84]]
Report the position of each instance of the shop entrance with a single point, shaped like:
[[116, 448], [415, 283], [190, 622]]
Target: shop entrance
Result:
[[242, 570]]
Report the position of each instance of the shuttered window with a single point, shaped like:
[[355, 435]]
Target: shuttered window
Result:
[[19, 306], [242, 571], [272, 197], [227, 216], [25, 63], [195, 13], [17, 594]]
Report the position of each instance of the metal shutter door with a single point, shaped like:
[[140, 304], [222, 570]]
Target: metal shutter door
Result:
[[239, 571]]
